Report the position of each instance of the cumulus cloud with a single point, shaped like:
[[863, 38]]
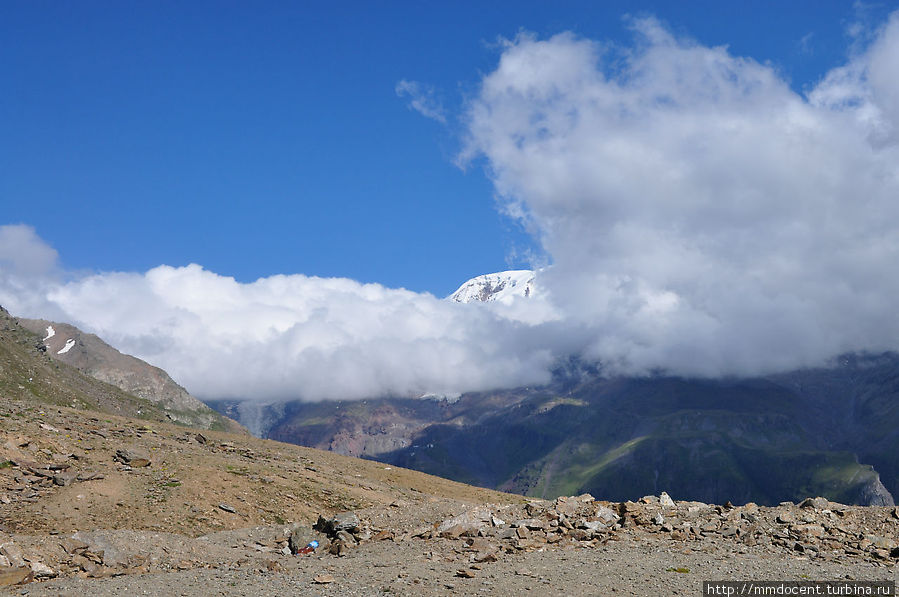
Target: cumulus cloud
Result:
[[297, 336], [702, 216], [422, 99], [29, 268], [23, 253]]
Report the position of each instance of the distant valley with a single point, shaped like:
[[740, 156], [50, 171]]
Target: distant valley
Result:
[[831, 431]]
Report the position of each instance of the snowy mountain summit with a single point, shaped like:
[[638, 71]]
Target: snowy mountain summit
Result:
[[501, 287]]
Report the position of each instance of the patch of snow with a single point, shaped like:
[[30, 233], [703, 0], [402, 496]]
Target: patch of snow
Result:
[[69, 344], [503, 287], [50, 333]]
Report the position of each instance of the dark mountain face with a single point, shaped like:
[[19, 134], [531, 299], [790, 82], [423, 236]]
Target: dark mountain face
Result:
[[831, 432]]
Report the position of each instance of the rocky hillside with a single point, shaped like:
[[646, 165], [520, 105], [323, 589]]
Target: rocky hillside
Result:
[[106, 505], [830, 432], [28, 374], [64, 343]]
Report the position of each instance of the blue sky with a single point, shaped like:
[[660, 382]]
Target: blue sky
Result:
[[265, 138], [713, 185]]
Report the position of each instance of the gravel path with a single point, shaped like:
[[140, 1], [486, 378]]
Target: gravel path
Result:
[[420, 567]]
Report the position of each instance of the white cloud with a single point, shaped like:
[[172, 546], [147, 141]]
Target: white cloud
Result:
[[28, 269], [300, 337], [701, 216], [22, 252], [422, 99]]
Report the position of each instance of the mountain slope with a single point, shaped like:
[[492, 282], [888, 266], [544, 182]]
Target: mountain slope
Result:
[[91, 355], [828, 431]]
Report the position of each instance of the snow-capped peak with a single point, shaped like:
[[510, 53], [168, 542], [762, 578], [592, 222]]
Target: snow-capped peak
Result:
[[501, 287]]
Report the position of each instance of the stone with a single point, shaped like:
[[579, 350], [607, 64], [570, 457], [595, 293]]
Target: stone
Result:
[[64, 479], [299, 538], [227, 508], [14, 554], [567, 506], [41, 570], [474, 520], [85, 564], [659, 519], [464, 573], [606, 515], [530, 523], [132, 458], [665, 500], [594, 525], [338, 548], [818, 503], [810, 530], [323, 579], [785, 517], [72, 546], [86, 476], [15, 575], [345, 521]]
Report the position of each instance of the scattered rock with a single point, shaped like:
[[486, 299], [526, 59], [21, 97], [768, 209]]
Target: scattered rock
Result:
[[227, 508], [323, 579]]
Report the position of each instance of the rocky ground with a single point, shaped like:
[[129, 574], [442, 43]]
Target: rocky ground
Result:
[[100, 505]]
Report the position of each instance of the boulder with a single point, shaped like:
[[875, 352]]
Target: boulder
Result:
[[300, 538], [14, 554], [469, 522], [345, 521], [132, 458]]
